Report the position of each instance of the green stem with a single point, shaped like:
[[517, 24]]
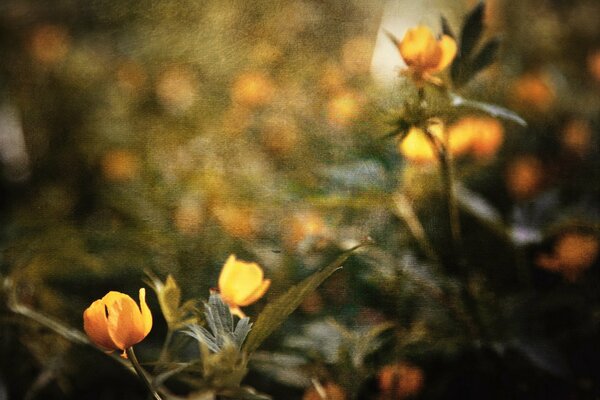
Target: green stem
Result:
[[165, 347], [141, 373]]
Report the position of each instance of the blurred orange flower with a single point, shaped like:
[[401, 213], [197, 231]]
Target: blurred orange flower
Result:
[[120, 165], [524, 177], [573, 253], [424, 54], [331, 391], [593, 64], [307, 225], [577, 137], [241, 283], [115, 322], [399, 381], [240, 222], [482, 135], [533, 90], [49, 43]]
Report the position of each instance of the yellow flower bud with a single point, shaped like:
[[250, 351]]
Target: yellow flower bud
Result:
[[241, 283], [424, 54], [115, 322]]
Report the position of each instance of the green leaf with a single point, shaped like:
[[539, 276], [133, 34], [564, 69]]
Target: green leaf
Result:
[[446, 30], [277, 311], [169, 299], [222, 331], [486, 56], [471, 31], [490, 109], [393, 39]]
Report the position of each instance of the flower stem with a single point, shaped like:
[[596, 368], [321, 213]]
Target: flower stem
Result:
[[141, 373]]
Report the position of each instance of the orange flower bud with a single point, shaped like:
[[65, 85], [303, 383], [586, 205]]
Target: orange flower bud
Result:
[[241, 283], [332, 392], [424, 54], [115, 322], [400, 380]]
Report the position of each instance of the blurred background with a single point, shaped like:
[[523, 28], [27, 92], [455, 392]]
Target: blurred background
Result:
[[165, 135]]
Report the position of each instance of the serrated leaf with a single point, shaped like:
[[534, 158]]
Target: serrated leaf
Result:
[[446, 30], [471, 30], [486, 56], [242, 330], [203, 336], [490, 109], [169, 299], [277, 311], [220, 322]]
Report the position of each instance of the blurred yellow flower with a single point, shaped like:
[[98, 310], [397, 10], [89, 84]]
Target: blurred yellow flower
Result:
[[424, 54], [241, 283], [115, 322], [417, 148], [481, 135], [400, 381], [252, 89], [573, 253], [344, 108]]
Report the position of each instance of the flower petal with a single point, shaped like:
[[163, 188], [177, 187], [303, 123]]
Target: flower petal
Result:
[[95, 325], [125, 323], [258, 293], [420, 49], [146, 314], [239, 280], [448, 49]]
